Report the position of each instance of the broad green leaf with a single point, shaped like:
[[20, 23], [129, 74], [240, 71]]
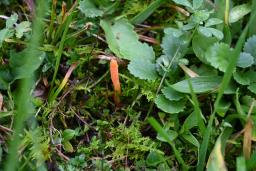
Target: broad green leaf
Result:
[[250, 46], [216, 159], [241, 78], [23, 67], [252, 88], [22, 28], [197, 3], [169, 106], [11, 20], [88, 8], [171, 134], [245, 60], [123, 41], [154, 158], [183, 2], [191, 139], [239, 12], [201, 84], [171, 94], [68, 134], [218, 56], [111, 39], [143, 69], [213, 21], [200, 44]]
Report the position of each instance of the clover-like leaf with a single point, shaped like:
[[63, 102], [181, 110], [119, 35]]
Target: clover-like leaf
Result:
[[168, 106], [143, 69], [250, 46], [218, 56], [89, 9], [213, 21], [171, 94], [245, 60]]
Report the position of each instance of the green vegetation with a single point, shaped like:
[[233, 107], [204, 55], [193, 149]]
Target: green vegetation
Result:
[[127, 85]]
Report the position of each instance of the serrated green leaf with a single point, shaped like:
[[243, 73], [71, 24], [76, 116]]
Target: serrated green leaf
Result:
[[89, 9], [250, 46], [168, 106], [213, 22], [245, 60], [23, 67], [239, 12], [241, 78], [252, 88], [201, 84], [173, 42], [11, 20], [171, 94], [185, 3], [218, 56], [22, 28], [143, 69], [200, 44]]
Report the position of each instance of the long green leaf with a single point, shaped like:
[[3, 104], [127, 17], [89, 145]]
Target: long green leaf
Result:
[[23, 99], [142, 16]]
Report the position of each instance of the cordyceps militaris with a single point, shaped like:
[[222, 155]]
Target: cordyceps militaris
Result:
[[115, 80]]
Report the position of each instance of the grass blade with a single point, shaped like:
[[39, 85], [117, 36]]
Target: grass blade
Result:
[[23, 102], [142, 16]]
